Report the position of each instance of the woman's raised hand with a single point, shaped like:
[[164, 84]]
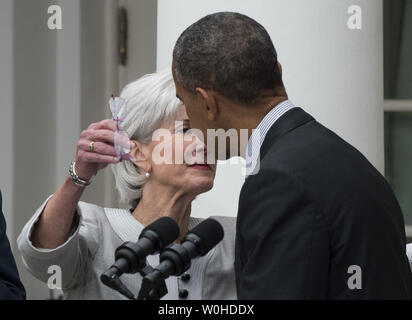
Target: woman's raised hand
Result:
[[95, 149]]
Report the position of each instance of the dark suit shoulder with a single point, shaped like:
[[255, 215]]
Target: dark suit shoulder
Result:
[[326, 165]]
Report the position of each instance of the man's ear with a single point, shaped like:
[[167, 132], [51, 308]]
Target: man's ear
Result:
[[210, 103], [280, 68], [139, 152]]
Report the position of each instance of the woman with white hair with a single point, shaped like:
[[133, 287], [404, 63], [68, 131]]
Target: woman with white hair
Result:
[[81, 238]]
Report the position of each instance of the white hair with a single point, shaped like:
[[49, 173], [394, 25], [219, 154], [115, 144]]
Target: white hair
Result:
[[150, 101]]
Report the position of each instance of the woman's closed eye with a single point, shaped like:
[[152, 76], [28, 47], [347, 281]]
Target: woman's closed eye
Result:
[[183, 127]]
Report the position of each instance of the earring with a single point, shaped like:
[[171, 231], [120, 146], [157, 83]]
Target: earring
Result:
[[147, 174]]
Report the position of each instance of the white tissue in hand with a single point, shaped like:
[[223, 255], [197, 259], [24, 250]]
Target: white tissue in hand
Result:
[[118, 108], [121, 138], [121, 143]]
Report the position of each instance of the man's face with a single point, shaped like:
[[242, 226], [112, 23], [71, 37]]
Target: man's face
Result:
[[197, 111], [195, 108]]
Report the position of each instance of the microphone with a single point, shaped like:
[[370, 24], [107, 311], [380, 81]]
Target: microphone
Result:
[[176, 259], [130, 257]]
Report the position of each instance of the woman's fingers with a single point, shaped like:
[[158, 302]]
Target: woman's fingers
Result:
[[105, 124], [98, 147], [107, 136], [89, 157], [102, 135]]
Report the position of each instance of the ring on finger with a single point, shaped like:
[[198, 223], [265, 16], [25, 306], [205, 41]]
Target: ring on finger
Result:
[[91, 146]]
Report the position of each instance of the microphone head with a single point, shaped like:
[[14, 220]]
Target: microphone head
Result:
[[166, 230], [210, 233]]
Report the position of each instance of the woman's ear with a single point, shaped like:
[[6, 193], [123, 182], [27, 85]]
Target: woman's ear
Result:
[[209, 102], [140, 153]]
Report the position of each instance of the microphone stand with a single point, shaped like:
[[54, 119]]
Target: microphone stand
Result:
[[153, 287]]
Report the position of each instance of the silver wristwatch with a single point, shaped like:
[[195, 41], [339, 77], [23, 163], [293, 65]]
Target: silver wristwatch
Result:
[[75, 177]]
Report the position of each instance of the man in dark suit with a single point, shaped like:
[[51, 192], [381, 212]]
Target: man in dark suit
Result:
[[316, 220], [10, 286]]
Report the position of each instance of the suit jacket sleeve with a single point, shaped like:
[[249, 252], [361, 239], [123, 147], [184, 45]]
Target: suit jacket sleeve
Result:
[[10, 285], [279, 229]]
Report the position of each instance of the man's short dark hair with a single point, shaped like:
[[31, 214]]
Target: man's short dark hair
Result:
[[229, 53]]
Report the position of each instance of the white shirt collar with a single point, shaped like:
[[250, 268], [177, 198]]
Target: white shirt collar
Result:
[[259, 134]]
